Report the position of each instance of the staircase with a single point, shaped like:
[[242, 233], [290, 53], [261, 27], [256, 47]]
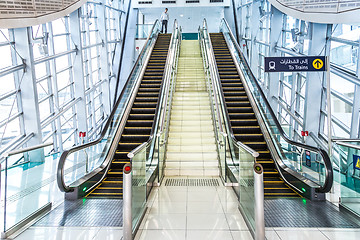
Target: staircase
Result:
[[243, 120], [191, 149], [139, 124]]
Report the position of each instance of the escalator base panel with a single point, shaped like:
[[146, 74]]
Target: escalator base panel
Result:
[[304, 213], [85, 213]]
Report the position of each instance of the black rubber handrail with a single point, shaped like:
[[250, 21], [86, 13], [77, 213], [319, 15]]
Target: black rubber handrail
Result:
[[329, 169], [60, 170], [159, 101], [225, 112]]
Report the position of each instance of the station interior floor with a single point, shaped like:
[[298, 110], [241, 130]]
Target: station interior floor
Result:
[[190, 212]]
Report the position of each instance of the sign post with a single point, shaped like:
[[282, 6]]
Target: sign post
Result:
[[328, 100]]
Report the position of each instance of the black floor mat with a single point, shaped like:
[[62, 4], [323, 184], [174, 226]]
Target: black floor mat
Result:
[[306, 213], [85, 213]]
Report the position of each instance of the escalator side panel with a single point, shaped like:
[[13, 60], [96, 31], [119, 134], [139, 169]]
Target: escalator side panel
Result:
[[243, 120], [140, 121]]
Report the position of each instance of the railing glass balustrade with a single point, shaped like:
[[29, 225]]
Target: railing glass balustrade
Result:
[[232, 154], [150, 155]]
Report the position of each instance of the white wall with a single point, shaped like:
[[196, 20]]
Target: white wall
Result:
[[179, 3], [189, 18]]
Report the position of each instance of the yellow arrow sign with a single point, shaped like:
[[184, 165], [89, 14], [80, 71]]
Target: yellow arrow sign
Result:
[[358, 163], [318, 63]]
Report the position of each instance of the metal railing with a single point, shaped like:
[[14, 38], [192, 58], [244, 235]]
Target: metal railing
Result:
[[166, 91], [148, 157]]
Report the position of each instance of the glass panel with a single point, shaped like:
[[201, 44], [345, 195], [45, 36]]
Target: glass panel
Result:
[[246, 186], [138, 185], [36, 167], [349, 175]]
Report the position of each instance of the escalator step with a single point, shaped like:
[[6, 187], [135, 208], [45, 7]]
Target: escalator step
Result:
[[139, 124], [242, 117]]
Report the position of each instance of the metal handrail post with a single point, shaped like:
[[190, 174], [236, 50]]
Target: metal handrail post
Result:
[[127, 202], [259, 202]]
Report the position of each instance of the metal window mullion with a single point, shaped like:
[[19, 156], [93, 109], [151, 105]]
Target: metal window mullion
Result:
[[46, 98], [11, 118], [65, 68], [50, 134], [54, 56], [341, 97], [70, 135], [17, 76], [346, 41], [68, 119], [8, 94], [63, 109], [39, 80], [78, 74], [28, 87], [65, 87], [12, 69], [55, 125]]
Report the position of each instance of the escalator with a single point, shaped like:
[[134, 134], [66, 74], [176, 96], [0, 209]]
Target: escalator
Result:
[[140, 121], [244, 123]]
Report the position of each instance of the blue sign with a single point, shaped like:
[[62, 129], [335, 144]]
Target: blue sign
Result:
[[356, 161], [295, 64], [308, 158]]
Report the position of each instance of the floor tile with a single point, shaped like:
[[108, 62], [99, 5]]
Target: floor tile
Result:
[[207, 222], [168, 208], [204, 207], [109, 234], [236, 221], [243, 235], [165, 221], [162, 234], [50, 233], [208, 235], [301, 234], [271, 235], [334, 234]]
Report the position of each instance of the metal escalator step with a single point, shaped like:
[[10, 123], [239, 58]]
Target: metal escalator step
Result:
[[241, 115], [256, 145], [287, 194], [147, 116], [249, 135], [142, 89]]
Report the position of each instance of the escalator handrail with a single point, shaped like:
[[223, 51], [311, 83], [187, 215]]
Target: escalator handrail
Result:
[[60, 169], [327, 162], [237, 143], [167, 72], [165, 78], [207, 65]]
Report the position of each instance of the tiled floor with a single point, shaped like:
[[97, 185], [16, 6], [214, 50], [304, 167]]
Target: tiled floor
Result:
[[189, 212], [193, 213]]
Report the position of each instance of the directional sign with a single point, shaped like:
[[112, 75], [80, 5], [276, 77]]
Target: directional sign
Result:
[[295, 64], [308, 158], [356, 161]]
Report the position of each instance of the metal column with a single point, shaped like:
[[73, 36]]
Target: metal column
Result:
[[127, 198], [259, 202]]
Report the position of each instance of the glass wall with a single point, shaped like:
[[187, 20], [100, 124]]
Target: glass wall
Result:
[[70, 62], [265, 31]]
